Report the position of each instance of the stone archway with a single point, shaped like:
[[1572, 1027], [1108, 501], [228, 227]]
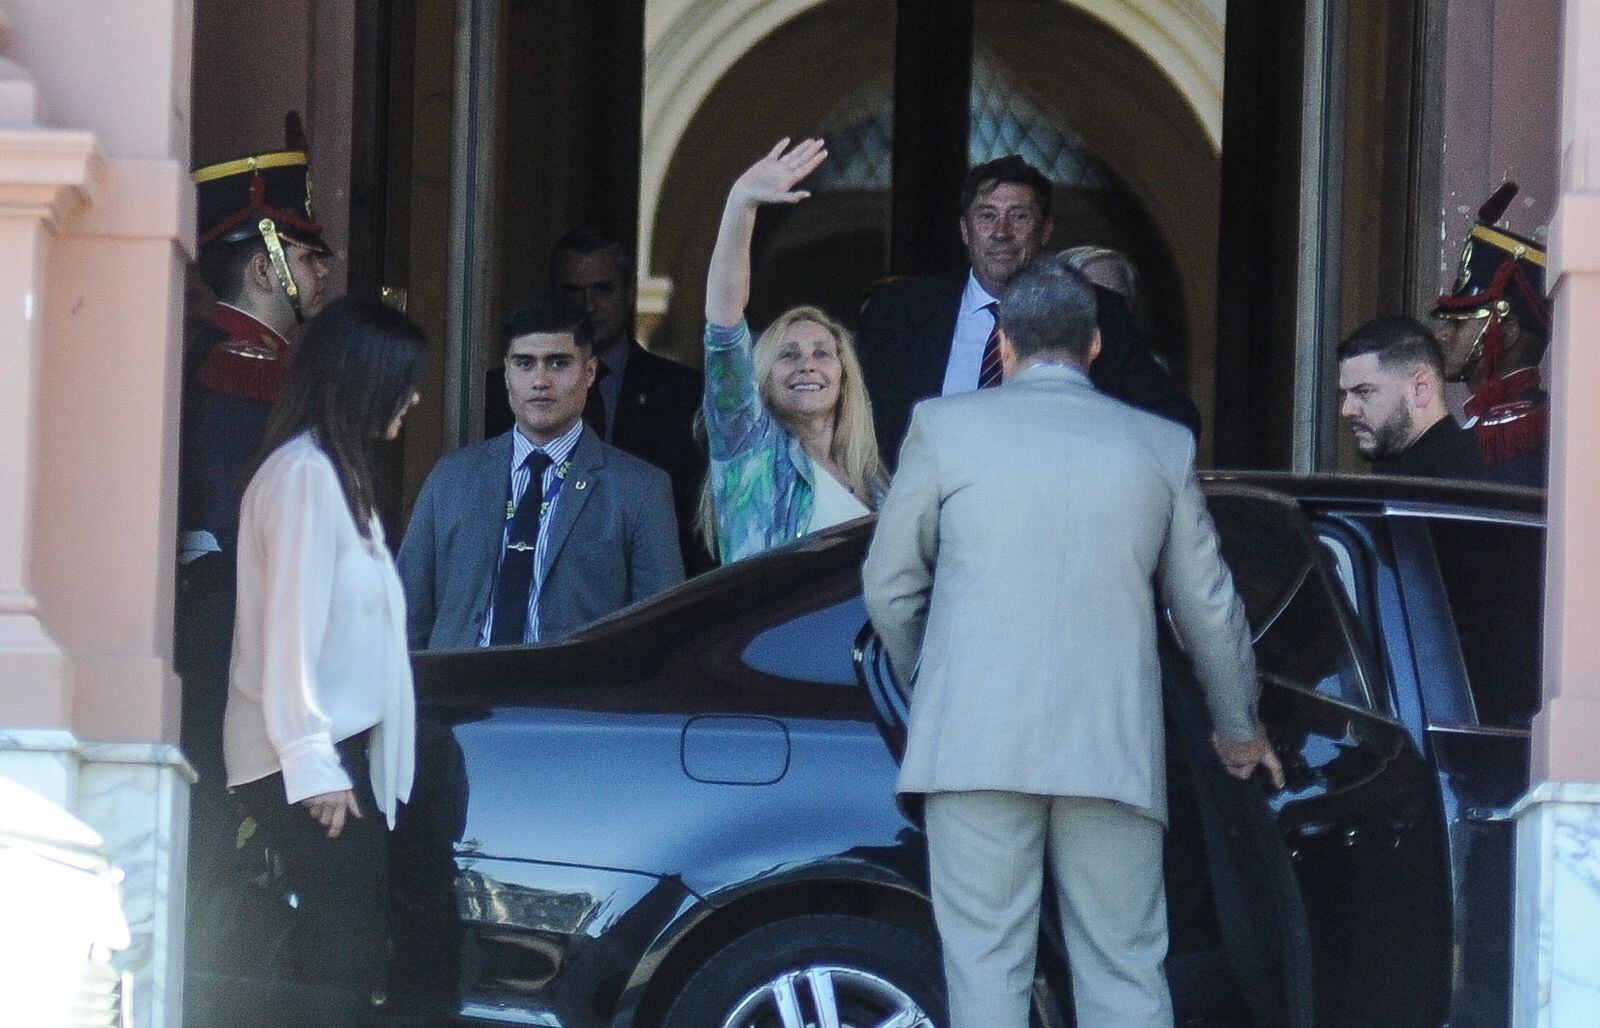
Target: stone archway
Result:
[[691, 44], [723, 80]]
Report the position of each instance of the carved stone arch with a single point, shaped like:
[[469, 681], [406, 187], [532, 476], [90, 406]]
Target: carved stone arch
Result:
[[691, 44]]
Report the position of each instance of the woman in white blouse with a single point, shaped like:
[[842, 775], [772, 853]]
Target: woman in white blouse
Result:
[[319, 735]]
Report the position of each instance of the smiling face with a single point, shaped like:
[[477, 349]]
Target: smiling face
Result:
[[804, 383], [1004, 230], [547, 381]]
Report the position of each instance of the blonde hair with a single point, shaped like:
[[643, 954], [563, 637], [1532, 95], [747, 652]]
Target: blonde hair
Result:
[[855, 440]]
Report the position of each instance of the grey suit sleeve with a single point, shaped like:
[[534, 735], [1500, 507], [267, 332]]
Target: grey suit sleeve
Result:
[[416, 564], [655, 562], [897, 577], [1198, 590]]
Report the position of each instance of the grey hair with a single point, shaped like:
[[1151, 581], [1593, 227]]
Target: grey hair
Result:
[[1049, 308], [1119, 274]]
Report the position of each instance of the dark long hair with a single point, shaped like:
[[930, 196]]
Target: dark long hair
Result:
[[355, 367]]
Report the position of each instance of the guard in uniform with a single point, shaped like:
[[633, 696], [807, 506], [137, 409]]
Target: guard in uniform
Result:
[[1495, 327], [264, 259]]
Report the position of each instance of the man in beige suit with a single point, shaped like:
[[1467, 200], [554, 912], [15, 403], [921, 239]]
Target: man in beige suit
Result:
[[1013, 570]]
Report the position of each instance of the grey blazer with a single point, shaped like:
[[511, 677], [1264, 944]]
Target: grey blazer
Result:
[[615, 542], [1015, 559]]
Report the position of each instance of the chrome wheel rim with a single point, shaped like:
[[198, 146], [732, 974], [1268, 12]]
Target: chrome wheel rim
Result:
[[827, 996]]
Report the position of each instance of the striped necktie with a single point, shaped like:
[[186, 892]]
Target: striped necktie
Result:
[[989, 369], [516, 565]]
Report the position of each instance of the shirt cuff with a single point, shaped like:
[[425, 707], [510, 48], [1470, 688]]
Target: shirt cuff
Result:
[[1237, 730], [311, 767], [722, 337]]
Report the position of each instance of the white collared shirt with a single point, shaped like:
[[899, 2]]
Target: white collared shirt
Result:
[[973, 325], [558, 451]]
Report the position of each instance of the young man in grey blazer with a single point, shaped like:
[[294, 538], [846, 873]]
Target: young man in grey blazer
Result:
[[539, 531], [1012, 573]]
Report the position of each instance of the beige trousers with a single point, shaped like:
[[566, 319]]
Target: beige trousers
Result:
[[987, 853]]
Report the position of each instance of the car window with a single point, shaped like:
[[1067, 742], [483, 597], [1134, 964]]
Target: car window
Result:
[[1301, 638], [815, 647], [1494, 577]]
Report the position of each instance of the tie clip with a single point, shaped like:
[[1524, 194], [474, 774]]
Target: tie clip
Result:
[[520, 547]]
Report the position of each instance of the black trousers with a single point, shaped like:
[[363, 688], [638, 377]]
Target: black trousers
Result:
[[335, 954]]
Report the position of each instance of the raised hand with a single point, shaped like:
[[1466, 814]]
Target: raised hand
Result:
[[773, 178]]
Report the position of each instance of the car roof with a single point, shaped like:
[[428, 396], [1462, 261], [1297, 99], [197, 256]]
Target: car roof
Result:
[[650, 627], [1380, 491]]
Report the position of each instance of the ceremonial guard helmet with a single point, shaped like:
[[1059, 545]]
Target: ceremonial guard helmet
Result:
[[265, 196], [1500, 274]]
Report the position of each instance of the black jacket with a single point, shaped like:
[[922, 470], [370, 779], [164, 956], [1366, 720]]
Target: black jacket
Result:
[[905, 336], [1445, 450]]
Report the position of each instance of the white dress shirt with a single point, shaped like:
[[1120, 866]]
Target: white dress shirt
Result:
[[973, 325], [319, 651]]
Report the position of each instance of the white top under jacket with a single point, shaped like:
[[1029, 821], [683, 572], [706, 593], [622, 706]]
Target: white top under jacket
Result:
[[832, 502], [319, 647]]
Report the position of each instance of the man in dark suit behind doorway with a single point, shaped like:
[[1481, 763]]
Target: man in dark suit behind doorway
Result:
[[640, 403], [930, 336]]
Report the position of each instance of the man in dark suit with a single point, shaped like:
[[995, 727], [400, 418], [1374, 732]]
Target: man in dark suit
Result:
[[533, 534], [640, 403], [935, 336]]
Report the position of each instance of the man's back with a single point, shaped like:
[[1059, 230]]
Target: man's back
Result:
[[1039, 670]]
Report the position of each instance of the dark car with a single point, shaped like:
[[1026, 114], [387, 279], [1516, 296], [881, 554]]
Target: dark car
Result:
[[684, 817]]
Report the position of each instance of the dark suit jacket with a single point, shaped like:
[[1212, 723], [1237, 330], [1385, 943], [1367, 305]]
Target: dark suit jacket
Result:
[[654, 422], [905, 337], [613, 542]]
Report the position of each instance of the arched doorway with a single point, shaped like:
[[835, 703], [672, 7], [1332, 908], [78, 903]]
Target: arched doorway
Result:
[[1127, 127]]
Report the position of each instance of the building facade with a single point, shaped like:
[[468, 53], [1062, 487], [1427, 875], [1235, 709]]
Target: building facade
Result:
[[1292, 170]]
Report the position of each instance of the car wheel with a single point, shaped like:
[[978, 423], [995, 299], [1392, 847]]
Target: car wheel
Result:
[[809, 972]]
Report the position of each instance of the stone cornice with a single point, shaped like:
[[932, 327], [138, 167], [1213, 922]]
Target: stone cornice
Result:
[[46, 173]]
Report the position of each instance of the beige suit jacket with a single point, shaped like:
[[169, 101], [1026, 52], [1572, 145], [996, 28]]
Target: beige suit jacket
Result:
[[1015, 566]]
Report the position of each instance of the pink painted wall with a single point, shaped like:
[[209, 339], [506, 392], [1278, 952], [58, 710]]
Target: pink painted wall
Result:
[[102, 438], [1566, 740], [242, 88], [1503, 77]]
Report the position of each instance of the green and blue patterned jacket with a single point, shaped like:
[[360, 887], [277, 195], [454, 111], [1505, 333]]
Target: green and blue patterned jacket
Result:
[[761, 477]]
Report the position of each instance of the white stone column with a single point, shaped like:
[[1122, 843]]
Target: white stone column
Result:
[[1556, 979]]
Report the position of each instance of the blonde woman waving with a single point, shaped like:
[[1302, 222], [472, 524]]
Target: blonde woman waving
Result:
[[787, 416]]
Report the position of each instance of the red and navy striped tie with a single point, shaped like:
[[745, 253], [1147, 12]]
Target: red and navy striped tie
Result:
[[989, 369]]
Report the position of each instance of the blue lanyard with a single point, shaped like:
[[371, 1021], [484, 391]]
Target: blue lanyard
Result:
[[549, 494]]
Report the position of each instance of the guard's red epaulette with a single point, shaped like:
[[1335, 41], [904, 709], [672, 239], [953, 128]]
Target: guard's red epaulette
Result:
[[249, 364], [1514, 429]]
